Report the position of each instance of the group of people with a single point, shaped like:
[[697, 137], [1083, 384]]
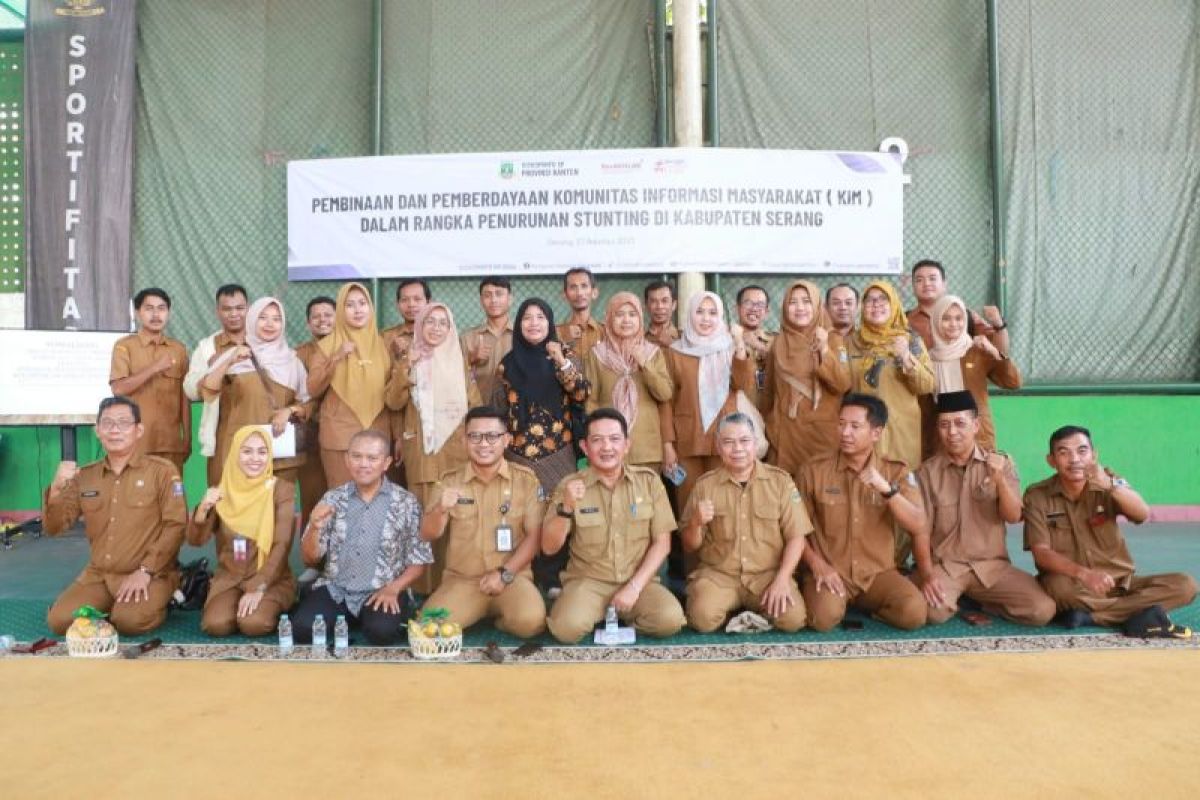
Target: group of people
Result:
[[790, 474]]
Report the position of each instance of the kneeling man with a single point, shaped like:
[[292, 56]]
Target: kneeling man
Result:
[[490, 510], [970, 493], [747, 522], [134, 516], [620, 525], [1083, 563], [855, 500]]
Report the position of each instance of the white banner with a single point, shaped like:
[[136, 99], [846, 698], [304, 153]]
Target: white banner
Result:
[[647, 211], [53, 377]]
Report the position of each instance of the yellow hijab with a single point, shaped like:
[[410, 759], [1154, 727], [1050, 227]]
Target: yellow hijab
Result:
[[247, 505], [360, 378], [876, 340]]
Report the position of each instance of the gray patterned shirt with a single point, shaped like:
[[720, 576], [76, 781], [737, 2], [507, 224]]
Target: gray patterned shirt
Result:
[[368, 545]]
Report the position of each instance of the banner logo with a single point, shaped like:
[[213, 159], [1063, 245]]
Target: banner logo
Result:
[[506, 169], [80, 8]]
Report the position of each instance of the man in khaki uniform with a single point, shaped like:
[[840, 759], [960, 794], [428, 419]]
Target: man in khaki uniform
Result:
[[491, 511], [412, 294], [581, 331], [320, 314], [485, 344], [660, 305], [969, 494], [148, 367], [748, 524], [1071, 527], [752, 311], [620, 525], [855, 500], [841, 301], [134, 515]]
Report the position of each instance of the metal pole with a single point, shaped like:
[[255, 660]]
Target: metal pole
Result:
[[376, 104], [662, 135], [689, 106], [710, 106], [999, 247]]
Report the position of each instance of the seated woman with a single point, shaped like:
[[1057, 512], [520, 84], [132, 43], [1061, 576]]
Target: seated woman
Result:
[[629, 373], [807, 374], [965, 362], [888, 360], [709, 364], [262, 382], [541, 384], [252, 513], [432, 386]]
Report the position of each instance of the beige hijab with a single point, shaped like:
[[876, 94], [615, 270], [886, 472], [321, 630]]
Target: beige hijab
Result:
[[947, 355], [439, 381], [621, 355], [793, 350]]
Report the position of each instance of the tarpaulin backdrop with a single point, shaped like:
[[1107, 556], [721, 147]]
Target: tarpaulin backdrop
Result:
[[1100, 127], [79, 146]]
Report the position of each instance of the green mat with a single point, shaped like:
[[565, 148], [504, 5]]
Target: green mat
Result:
[[25, 619]]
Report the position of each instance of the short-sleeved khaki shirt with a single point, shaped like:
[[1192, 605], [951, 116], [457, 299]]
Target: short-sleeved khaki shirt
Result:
[[854, 528], [513, 498], [1084, 530], [751, 525], [159, 399], [611, 530], [963, 506]]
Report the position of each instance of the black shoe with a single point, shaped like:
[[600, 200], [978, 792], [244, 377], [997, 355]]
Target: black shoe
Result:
[[1074, 618], [1153, 623]]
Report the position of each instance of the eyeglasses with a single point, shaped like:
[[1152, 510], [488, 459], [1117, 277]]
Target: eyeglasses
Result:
[[434, 322], [754, 305], [107, 425], [876, 301], [491, 437]]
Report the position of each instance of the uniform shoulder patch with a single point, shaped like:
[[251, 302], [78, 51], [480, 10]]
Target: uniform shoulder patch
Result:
[[177, 488], [912, 478], [541, 494], [795, 496]]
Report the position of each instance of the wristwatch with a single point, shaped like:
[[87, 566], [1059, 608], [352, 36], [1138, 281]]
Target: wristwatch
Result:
[[506, 577], [893, 490], [562, 512], [1120, 483]]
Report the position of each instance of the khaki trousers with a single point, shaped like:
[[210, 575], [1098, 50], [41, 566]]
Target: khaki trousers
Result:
[[1014, 595], [518, 610], [584, 601], [710, 601], [1170, 590], [891, 598]]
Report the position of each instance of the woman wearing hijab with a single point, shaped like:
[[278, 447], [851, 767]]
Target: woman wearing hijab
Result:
[[807, 374], [889, 360], [541, 380], [962, 362], [350, 373], [629, 373], [709, 364], [432, 388], [262, 382], [252, 513]]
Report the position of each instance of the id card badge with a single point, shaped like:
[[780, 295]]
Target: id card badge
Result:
[[504, 538], [240, 548]]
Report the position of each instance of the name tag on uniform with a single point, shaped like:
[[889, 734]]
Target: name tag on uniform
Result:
[[90, 493], [504, 538], [240, 548], [466, 501], [832, 490], [589, 510]]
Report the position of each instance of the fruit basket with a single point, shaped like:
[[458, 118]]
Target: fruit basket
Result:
[[433, 637], [91, 635]]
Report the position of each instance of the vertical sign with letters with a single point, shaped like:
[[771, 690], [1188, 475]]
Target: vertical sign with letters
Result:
[[79, 101]]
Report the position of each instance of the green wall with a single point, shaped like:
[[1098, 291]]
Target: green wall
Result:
[[1148, 439]]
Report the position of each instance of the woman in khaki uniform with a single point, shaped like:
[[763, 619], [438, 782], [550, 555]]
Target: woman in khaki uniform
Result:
[[242, 376], [432, 387], [962, 362], [629, 373], [252, 513], [709, 365], [807, 373], [349, 376], [889, 361]]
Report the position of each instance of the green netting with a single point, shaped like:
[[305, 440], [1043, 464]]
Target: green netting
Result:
[[12, 167]]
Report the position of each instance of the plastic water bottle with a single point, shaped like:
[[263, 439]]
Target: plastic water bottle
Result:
[[285, 635], [610, 619], [318, 637], [341, 637]]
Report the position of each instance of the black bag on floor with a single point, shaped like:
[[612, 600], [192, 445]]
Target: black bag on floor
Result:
[[193, 586]]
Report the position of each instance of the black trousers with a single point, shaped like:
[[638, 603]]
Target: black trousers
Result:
[[380, 627]]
